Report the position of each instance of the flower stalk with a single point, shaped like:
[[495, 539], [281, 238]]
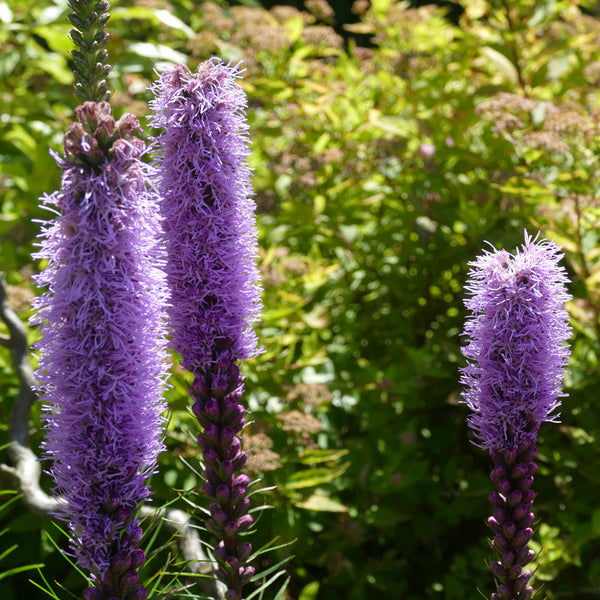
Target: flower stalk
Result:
[[209, 227], [516, 357]]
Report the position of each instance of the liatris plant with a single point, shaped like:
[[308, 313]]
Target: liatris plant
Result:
[[211, 242], [102, 348], [516, 357], [102, 356]]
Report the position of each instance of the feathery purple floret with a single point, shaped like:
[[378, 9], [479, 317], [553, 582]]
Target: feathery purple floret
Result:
[[215, 297], [102, 355], [516, 348]]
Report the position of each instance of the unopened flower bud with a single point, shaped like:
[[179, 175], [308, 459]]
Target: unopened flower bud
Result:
[[503, 592], [509, 529], [526, 483], [244, 551], [239, 461], [211, 409], [494, 525], [515, 498], [245, 522], [520, 511], [226, 437], [523, 537], [222, 493], [498, 473], [497, 499], [514, 572], [208, 490], [219, 552], [211, 476], [497, 569], [500, 542], [231, 528], [211, 433], [526, 593], [510, 455], [129, 580], [525, 555], [234, 448], [139, 593], [241, 508], [227, 469], [199, 389], [218, 514], [92, 593], [499, 515], [519, 470], [138, 557], [522, 581], [210, 457]]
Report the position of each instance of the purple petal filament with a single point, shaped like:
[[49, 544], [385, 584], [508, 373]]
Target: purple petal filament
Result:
[[210, 231], [516, 357], [102, 354]]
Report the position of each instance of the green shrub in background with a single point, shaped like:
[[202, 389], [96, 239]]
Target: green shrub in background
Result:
[[379, 173]]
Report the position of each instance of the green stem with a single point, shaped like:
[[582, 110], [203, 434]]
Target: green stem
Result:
[[90, 58]]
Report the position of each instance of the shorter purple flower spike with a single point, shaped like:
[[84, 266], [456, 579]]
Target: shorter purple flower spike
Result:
[[516, 350], [517, 354]]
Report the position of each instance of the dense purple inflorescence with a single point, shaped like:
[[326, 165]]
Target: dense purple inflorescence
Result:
[[208, 212], [516, 355], [102, 352], [211, 241], [516, 332]]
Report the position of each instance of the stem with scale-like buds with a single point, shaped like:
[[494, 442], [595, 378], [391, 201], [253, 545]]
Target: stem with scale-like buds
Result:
[[91, 66]]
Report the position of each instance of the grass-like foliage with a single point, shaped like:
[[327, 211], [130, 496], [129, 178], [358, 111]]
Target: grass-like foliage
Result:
[[386, 147]]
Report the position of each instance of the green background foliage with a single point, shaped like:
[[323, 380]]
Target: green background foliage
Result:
[[387, 147]]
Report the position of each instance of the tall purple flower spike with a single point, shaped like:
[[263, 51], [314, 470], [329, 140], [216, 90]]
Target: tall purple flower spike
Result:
[[516, 355], [102, 352], [209, 225]]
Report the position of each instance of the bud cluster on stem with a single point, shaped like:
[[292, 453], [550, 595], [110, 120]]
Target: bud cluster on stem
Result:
[[512, 520], [219, 411], [90, 59]]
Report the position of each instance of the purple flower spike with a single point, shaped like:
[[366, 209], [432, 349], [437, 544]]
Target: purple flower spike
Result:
[[516, 357], [102, 352], [210, 231]]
